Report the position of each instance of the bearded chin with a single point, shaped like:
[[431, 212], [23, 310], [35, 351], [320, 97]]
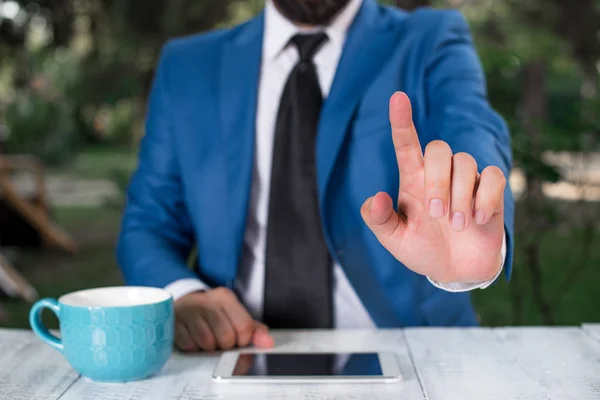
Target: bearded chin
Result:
[[310, 12]]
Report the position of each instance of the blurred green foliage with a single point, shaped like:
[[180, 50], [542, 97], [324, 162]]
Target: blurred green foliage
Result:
[[41, 117], [41, 128], [84, 67], [97, 57], [75, 75]]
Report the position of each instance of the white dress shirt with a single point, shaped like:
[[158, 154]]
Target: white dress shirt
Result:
[[278, 60]]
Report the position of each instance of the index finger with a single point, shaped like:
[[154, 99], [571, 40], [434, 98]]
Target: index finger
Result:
[[262, 338], [406, 141]]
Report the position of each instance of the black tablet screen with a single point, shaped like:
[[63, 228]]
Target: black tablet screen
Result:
[[308, 364]]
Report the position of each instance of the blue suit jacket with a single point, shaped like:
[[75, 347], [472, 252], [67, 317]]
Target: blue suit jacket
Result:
[[195, 169]]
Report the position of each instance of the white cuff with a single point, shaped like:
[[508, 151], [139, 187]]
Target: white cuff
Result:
[[180, 288], [465, 287]]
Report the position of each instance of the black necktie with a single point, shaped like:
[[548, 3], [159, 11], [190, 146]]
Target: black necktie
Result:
[[298, 266]]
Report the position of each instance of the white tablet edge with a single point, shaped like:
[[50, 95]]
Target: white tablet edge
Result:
[[390, 367], [388, 361], [225, 366]]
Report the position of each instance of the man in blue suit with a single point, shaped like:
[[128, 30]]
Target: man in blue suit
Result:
[[265, 146]]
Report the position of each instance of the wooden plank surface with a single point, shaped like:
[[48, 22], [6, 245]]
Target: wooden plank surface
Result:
[[593, 330], [436, 363], [169, 384], [468, 364], [511, 363], [30, 369], [565, 361], [188, 377]]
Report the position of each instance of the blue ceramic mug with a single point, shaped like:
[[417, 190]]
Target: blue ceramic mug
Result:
[[113, 334]]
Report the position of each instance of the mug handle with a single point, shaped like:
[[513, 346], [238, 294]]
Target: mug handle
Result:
[[35, 320]]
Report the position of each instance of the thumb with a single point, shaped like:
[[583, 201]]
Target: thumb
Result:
[[379, 215], [261, 337]]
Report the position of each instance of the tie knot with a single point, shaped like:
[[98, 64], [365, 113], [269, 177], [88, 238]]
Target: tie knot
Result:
[[308, 44]]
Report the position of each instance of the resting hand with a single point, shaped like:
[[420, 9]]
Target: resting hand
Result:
[[215, 319], [450, 220]]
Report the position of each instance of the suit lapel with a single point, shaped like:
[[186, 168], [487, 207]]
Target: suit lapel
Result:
[[367, 48], [238, 91]]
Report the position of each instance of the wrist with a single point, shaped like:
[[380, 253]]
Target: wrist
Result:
[[446, 277], [454, 275], [183, 287], [190, 295]]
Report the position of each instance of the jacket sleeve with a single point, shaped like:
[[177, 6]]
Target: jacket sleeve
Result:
[[457, 107], [156, 235]]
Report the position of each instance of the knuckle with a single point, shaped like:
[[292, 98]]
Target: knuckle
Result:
[[183, 314], [182, 341], [484, 202], [207, 342], [460, 202], [461, 197], [223, 293], [219, 291], [438, 184], [465, 159], [438, 146], [179, 314], [246, 327], [494, 173], [227, 339], [179, 329], [193, 300]]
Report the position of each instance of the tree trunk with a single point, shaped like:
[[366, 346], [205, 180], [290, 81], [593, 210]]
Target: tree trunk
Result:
[[534, 115]]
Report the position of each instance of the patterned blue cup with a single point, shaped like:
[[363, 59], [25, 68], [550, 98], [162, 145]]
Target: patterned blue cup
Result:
[[111, 334]]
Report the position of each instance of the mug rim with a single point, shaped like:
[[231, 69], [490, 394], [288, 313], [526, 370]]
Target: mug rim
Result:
[[163, 296]]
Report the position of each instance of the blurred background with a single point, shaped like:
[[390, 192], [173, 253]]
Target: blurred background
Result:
[[75, 74]]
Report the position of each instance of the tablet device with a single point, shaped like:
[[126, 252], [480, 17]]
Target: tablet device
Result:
[[313, 367]]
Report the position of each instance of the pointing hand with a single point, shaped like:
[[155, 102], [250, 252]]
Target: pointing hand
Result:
[[450, 220]]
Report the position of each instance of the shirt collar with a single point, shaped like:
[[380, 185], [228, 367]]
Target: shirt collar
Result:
[[279, 30]]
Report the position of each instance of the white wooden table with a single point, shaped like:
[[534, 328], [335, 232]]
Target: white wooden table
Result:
[[478, 363]]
